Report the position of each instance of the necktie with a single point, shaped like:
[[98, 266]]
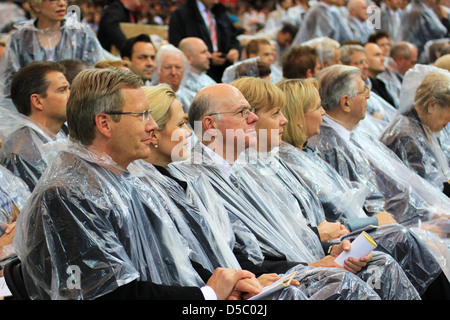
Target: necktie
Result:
[[212, 29]]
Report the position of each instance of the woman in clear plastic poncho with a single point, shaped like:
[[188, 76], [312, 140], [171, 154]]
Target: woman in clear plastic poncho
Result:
[[412, 135], [50, 36], [342, 200]]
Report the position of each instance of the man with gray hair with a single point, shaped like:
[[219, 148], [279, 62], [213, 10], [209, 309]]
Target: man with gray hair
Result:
[[357, 20], [96, 229], [171, 65], [355, 55]]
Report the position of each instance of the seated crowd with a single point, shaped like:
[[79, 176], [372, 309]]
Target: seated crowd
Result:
[[213, 162]]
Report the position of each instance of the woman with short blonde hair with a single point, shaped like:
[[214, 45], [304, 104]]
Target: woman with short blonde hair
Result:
[[301, 98]]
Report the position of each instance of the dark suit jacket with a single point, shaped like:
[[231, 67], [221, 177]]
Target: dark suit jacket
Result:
[[109, 32], [187, 21]]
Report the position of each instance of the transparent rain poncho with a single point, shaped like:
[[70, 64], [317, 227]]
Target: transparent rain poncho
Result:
[[244, 68], [198, 214], [263, 176], [281, 239], [74, 40], [344, 201], [22, 146], [204, 223], [420, 24], [411, 140], [108, 229], [323, 20], [14, 193], [408, 197]]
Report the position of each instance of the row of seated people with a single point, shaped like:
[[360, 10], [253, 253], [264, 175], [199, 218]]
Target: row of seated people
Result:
[[103, 193]]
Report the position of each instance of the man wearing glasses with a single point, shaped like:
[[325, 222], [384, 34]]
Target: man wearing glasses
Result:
[[97, 231], [227, 128]]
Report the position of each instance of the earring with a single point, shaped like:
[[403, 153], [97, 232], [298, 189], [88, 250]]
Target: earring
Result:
[[156, 146]]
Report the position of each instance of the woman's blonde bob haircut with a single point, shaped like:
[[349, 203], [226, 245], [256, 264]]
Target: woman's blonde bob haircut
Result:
[[301, 97], [160, 98], [260, 93]]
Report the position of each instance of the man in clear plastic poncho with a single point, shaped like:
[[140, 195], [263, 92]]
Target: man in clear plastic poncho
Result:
[[39, 92], [323, 19], [199, 58], [286, 246], [51, 36], [91, 229], [412, 134], [268, 167], [170, 67], [419, 24], [358, 157]]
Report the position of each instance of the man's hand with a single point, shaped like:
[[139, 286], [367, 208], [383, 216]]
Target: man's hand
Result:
[[233, 55], [331, 230], [384, 217], [217, 59], [269, 278], [227, 283], [352, 265]]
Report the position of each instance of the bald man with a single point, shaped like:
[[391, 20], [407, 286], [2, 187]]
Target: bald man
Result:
[[199, 58]]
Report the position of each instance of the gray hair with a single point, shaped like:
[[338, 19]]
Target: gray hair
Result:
[[335, 82], [200, 107], [325, 48], [164, 51], [347, 51]]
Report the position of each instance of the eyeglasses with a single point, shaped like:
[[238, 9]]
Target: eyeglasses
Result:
[[245, 113], [366, 91], [145, 114]]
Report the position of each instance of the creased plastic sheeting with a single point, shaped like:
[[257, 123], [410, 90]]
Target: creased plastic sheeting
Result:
[[203, 222], [270, 170], [290, 224], [421, 190], [342, 199], [418, 148], [383, 272], [108, 229], [268, 236], [280, 179], [420, 262], [412, 254], [444, 140], [238, 208], [281, 211], [14, 192], [77, 41], [22, 151], [375, 166]]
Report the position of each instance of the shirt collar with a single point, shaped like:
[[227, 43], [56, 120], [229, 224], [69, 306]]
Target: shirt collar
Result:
[[341, 131]]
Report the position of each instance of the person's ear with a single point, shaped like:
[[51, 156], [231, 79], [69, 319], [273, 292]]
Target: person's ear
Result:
[[432, 105], [36, 102], [344, 103], [103, 124], [309, 74]]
